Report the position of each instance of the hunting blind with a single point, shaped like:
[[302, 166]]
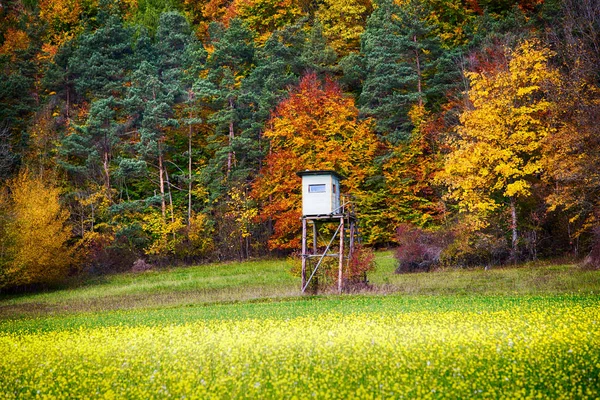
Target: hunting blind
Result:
[[322, 203], [320, 192]]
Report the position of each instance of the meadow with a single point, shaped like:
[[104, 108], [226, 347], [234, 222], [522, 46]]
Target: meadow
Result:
[[528, 332]]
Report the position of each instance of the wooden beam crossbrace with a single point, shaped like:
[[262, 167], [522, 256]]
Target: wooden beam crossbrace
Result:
[[306, 282]]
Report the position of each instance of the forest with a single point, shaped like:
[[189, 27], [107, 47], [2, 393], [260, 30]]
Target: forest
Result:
[[155, 132]]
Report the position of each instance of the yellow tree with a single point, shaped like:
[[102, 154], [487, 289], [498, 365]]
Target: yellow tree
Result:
[[62, 18], [497, 153], [343, 22], [35, 234], [266, 16]]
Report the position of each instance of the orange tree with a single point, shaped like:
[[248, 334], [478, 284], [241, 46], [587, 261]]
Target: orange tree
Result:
[[317, 128]]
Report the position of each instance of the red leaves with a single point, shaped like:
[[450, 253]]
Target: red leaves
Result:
[[315, 128]]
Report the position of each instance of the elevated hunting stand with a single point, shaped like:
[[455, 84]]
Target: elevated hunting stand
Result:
[[322, 203]]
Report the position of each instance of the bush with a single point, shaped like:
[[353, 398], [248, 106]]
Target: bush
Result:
[[140, 265], [105, 253], [418, 250], [473, 247], [198, 243], [592, 261], [361, 262], [326, 277]]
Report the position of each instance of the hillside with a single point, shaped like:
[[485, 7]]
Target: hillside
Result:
[[170, 131]]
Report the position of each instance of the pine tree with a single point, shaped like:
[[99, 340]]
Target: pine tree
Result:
[[317, 55], [399, 59], [193, 63], [102, 59], [220, 90], [279, 65], [19, 89], [153, 100], [173, 37], [89, 152], [157, 85]]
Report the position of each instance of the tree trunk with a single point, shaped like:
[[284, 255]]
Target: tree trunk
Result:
[[170, 197], [161, 179], [105, 166], [513, 226], [93, 217], [230, 155], [418, 61], [68, 100], [189, 216]]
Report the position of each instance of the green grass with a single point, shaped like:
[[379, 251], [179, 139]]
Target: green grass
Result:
[[172, 287], [532, 278], [270, 279]]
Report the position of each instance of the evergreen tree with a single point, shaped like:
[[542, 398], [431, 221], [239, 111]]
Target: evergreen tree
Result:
[[317, 55], [157, 86], [19, 92], [8, 158], [91, 149], [193, 63], [173, 37], [60, 79], [220, 90], [152, 101], [279, 65], [400, 61], [102, 60]]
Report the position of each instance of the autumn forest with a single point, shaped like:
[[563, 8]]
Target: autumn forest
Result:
[[163, 132]]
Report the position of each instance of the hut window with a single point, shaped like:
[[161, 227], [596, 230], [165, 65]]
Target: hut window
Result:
[[320, 188], [334, 189]]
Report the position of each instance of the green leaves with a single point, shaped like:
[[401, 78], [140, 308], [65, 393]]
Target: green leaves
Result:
[[401, 66]]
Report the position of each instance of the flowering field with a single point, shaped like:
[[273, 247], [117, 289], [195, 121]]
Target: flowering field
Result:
[[348, 347]]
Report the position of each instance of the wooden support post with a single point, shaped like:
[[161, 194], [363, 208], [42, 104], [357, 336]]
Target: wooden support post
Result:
[[315, 237], [352, 233], [341, 255], [304, 255]]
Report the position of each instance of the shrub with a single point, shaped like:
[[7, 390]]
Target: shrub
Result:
[[140, 265], [471, 247], [198, 243], [104, 253], [326, 277], [592, 261], [418, 250], [361, 262]]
